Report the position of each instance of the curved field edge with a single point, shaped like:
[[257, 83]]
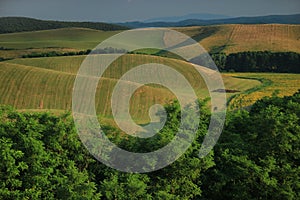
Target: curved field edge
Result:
[[272, 84], [234, 102]]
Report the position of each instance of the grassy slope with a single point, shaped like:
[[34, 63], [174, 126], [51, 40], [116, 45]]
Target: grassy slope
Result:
[[46, 83], [21, 24], [237, 38], [76, 38]]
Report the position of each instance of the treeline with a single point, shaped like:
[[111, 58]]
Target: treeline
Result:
[[5, 48], [55, 53], [258, 61], [107, 50], [256, 157], [20, 24]]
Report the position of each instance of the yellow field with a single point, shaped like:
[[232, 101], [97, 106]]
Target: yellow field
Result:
[[273, 84], [237, 38]]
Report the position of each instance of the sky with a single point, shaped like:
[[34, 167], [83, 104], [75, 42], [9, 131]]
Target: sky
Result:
[[139, 10]]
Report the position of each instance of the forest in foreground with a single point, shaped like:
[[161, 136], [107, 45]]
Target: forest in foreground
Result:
[[256, 157]]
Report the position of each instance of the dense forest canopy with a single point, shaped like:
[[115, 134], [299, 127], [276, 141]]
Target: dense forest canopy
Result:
[[258, 61], [257, 157]]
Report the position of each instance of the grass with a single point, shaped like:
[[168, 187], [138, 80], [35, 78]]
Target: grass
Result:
[[65, 40], [74, 38]]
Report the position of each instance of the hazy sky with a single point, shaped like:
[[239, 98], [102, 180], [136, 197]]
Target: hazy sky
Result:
[[132, 10]]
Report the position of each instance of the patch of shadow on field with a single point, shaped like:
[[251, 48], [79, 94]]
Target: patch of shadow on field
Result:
[[264, 83], [205, 32]]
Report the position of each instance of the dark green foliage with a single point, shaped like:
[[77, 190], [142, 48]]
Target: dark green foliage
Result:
[[220, 60], [20, 24], [108, 50], [42, 158], [54, 53], [4, 48], [258, 61], [256, 157]]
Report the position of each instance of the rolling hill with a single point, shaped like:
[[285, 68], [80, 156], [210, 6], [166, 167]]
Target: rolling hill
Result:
[[20, 24], [202, 16], [16, 45], [46, 83], [75, 38], [239, 37], [220, 38]]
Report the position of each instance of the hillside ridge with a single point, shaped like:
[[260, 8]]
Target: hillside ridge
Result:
[[21, 24]]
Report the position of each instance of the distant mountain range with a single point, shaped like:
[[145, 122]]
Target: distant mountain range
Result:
[[202, 16], [270, 19]]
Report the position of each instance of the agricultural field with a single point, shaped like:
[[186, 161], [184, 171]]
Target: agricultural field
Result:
[[273, 84], [57, 39], [240, 37], [79, 38], [46, 83]]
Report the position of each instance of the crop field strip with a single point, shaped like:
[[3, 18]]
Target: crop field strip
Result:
[[54, 89]]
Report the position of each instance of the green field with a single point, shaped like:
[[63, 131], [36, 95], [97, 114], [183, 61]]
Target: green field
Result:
[[74, 38]]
